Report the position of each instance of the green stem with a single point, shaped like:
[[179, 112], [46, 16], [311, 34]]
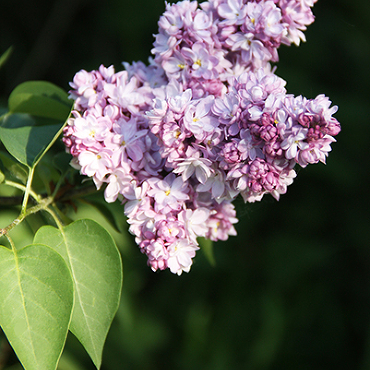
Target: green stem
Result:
[[52, 141], [59, 184], [68, 195], [27, 191], [11, 242], [43, 204], [55, 217], [23, 188]]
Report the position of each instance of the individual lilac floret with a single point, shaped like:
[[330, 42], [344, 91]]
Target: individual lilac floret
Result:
[[169, 193]]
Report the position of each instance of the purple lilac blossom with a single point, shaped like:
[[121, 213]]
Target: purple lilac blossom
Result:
[[208, 120]]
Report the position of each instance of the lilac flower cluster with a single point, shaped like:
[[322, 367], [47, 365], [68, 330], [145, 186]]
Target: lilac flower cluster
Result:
[[204, 47], [177, 141]]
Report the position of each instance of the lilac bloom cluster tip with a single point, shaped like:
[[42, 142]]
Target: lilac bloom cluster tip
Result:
[[208, 120]]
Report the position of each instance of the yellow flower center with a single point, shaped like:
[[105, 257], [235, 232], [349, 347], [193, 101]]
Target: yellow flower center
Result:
[[215, 228]]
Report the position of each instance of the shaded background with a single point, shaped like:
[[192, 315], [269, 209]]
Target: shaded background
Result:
[[292, 290]]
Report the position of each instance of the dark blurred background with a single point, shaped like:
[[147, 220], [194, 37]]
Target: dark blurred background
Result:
[[292, 290]]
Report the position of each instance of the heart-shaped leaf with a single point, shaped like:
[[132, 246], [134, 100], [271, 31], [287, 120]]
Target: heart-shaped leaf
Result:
[[96, 268], [36, 302]]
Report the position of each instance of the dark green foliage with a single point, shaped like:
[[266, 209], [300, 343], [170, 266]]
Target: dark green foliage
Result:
[[292, 290]]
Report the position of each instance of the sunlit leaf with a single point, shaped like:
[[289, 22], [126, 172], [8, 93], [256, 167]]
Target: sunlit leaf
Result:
[[36, 301], [40, 99], [96, 267]]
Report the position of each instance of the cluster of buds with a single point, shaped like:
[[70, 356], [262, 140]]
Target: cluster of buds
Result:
[[176, 141]]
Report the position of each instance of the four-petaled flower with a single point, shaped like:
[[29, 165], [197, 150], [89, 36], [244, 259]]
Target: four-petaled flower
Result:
[[169, 192]]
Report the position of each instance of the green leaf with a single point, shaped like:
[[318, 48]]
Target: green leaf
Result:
[[61, 161], [25, 139], [2, 168], [98, 204], [5, 56], [40, 99], [206, 245], [36, 302], [37, 112], [12, 168], [96, 267]]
